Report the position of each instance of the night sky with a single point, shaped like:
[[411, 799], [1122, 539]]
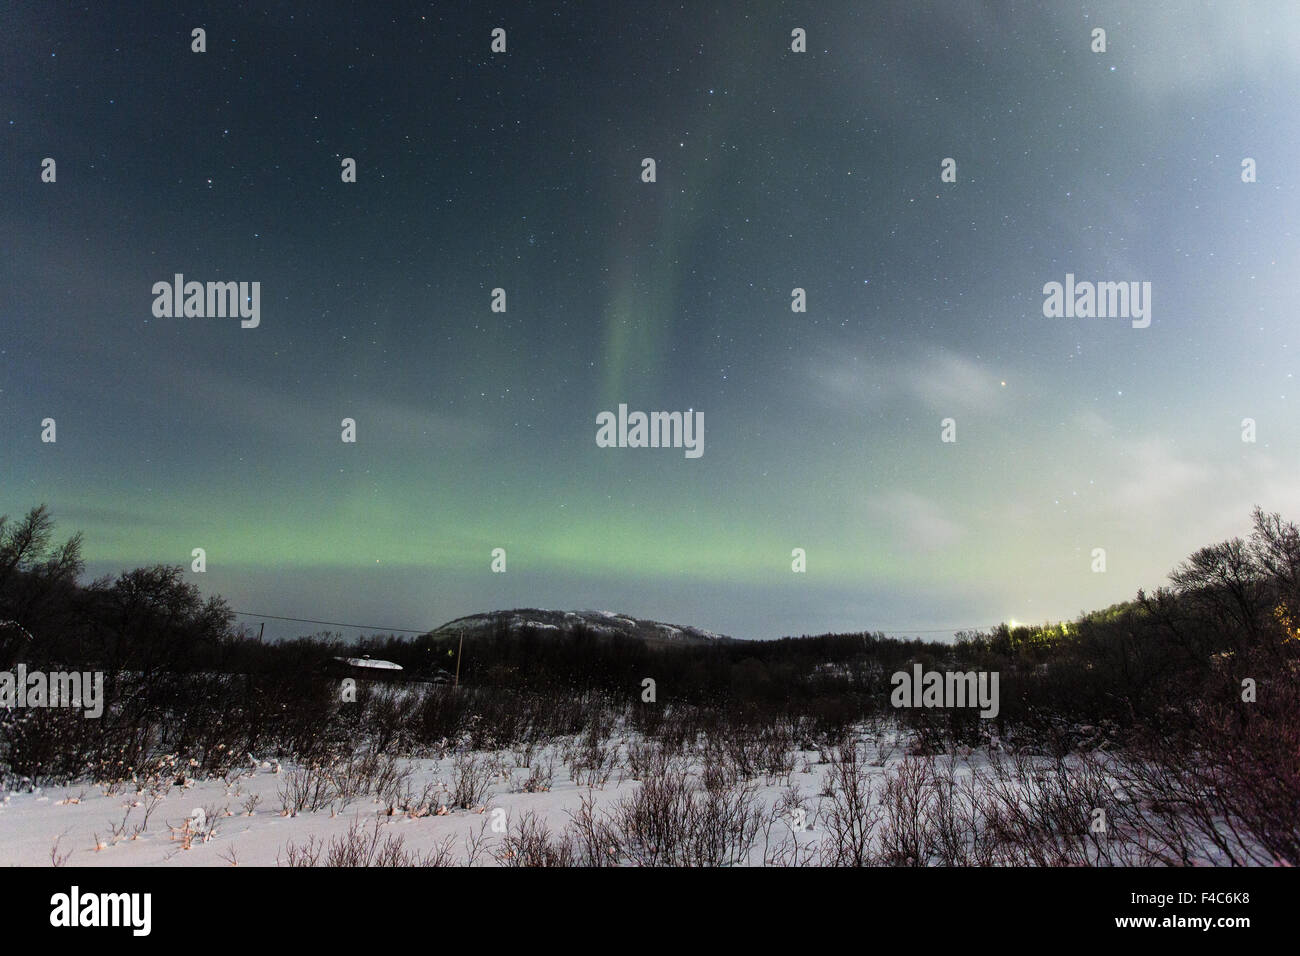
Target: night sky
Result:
[[775, 170]]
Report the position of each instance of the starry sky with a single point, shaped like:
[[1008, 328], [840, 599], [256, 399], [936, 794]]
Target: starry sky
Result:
[[775, 170]]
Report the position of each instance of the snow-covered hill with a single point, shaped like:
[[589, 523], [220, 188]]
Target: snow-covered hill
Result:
[[599, 622]]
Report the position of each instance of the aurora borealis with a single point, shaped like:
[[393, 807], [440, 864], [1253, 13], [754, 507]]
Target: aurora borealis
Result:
[[775, 171]]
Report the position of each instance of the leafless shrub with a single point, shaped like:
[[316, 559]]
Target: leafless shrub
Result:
[[594, 841], [524, 751], [528, 843], [959, 818], [792, 803], [476, 844], [775, 754], [117, 831], [360, 847], [884, 735], [304, 855], [594, 758], [334, 782], [540, 776], [206, 826], [851, 816], [406, 801], [366, 774], [654, 820], [724, 826], [647, 758], [200, 825], [906, 801], [58, 859], [151, 803], [787, 850], [1214, 801], [749, 752], [1040, 810], [307, 787], [471, 781], [670, 822], [719, 771], [232, 776]]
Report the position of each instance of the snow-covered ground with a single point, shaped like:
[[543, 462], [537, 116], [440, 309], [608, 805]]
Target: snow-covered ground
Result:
[[213, 822], [247, 818]]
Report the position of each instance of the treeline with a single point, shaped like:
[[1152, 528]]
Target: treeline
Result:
[[145, 620], [1215, 651]]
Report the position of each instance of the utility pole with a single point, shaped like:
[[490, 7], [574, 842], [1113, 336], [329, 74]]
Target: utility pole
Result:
[[460, 648], [260, 630]]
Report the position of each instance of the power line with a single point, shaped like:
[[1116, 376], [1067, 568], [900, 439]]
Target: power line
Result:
[[364, 627], [930, 630], [426, 630]]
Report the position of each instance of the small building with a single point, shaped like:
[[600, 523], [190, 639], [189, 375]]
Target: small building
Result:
[[372, 669], [364, 668]]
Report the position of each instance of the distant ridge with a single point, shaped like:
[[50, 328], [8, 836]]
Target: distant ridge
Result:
[[601, 622]]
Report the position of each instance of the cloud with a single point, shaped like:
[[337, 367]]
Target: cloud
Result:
[[305, 413], [1184, 51], [944, 383], [1214, 495], [918, 524], [75, 514], [1157, 477], [1094, 424]]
